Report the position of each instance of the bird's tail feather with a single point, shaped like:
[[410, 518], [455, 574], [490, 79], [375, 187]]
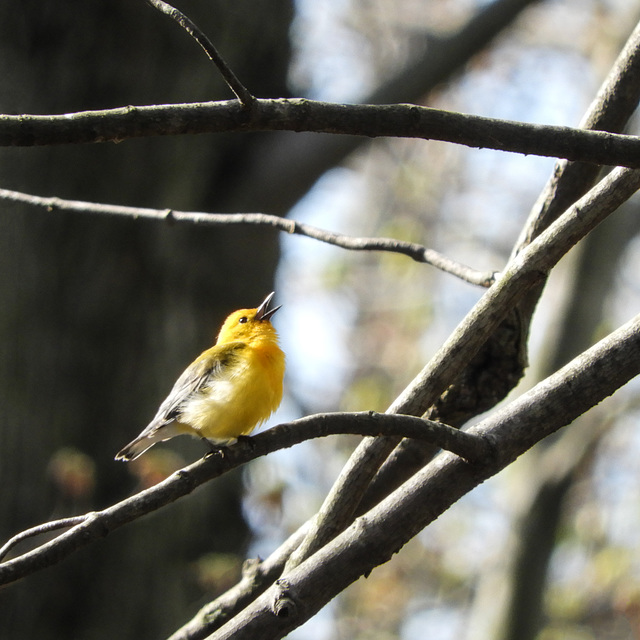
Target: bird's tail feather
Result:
[[146, 440]]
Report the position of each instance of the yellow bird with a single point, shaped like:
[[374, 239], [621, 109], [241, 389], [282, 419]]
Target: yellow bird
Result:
[[228, 390]]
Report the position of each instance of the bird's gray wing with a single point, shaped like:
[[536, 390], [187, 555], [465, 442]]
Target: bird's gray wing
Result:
[[198, 375]]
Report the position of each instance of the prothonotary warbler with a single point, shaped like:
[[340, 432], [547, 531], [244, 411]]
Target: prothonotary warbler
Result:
[[228, 390]]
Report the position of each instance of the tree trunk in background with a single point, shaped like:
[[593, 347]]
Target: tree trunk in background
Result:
[[99, 316]]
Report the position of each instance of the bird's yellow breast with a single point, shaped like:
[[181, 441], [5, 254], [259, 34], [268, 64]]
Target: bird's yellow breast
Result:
[[240, 398]]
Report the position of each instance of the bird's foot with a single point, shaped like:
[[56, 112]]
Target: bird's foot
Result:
[[214, 449]]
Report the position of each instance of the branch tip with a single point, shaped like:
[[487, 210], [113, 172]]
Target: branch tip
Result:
[[353, 243]]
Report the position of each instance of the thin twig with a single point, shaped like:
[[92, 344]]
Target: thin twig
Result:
[[371, 423], [40, 529], [414, 251], [243, 94]]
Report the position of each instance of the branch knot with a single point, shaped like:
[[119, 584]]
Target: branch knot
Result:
[[283, 605]]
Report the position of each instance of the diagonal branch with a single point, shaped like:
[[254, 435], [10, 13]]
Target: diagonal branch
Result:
[[257, 576], [374, 537], [243, 94], [411, 249], [499, 364], [611, 109], [525, 271]]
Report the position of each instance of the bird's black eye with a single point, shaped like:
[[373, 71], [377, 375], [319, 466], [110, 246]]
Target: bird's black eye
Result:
[[243, 319]]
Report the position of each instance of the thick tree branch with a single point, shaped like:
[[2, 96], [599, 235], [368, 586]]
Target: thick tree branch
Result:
[[398, 120], [499, 363], [98, 524], [411, 249], [374, 537], [526, 270]]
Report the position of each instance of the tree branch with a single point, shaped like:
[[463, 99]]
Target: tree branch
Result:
[[374, 537], [526, 270], [243, 94], [256, 577], [289, 165], [98, 524], [610, 110], [398, 120], [39, 530], [615, 102], [411, 249]]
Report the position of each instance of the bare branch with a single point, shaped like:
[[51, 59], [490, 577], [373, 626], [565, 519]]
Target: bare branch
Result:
[[500, 362], [243, 94], [526, 270], [610, 110], [397, 121], [374, 537], [40, 529], [256, 577], [98, 524], [294, 162], [411, 249]]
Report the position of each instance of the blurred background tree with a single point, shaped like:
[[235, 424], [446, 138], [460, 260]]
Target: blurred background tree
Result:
[[100, 316]]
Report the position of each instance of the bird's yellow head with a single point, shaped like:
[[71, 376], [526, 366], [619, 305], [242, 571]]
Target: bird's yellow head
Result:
[[249, 325]]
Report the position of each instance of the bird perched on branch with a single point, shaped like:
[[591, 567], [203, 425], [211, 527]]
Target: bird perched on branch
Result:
[[227, 390]]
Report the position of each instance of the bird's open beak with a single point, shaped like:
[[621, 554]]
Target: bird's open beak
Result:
[[263, 312]]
